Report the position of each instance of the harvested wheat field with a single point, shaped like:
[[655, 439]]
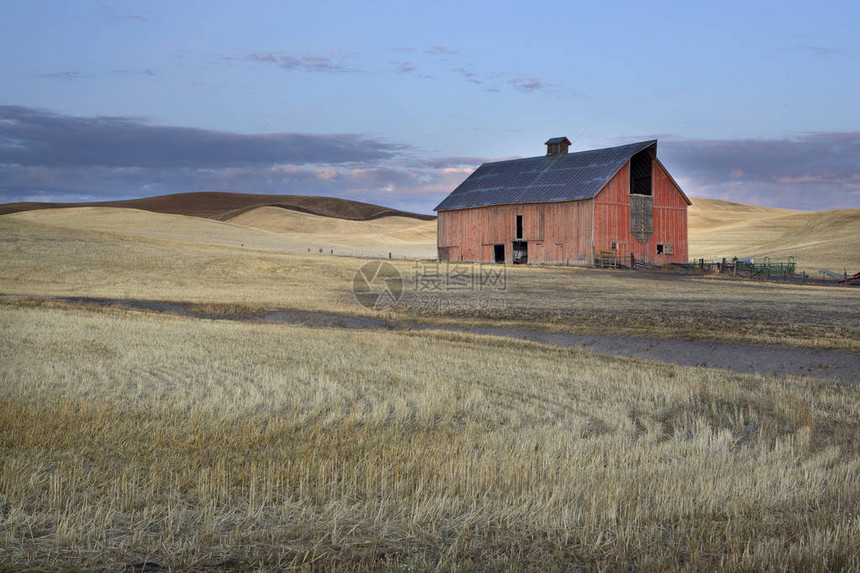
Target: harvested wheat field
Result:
[[406, 236], [816, 239], [717, 229], [306, 223], [131, 438], [137, 255]]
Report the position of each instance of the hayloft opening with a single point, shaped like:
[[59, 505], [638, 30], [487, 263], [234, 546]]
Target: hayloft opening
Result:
[[519, 229], [640, 173]]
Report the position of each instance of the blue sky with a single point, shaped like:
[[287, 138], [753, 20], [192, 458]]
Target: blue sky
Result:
[[396, 103]]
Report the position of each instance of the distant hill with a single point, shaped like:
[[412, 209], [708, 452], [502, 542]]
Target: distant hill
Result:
[[816, 239], [266, 228], [223, 206]]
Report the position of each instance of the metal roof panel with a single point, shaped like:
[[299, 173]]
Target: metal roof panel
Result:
[[542, 179]]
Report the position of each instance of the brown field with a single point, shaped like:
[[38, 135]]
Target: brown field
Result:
[[222, 206], [128, 437]]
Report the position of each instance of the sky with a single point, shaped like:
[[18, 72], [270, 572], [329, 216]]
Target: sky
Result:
[[395, 103]]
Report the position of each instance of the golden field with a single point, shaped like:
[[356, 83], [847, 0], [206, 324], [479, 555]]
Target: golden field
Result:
[[202, 445], [129, 437], [130, 254], [401, 236], [816, 239], [717, 229]]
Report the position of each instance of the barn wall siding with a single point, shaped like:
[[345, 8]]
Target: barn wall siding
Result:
[[670, 202], [557, 233]]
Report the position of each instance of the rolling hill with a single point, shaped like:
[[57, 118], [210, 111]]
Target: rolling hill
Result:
[[816, 239], [267, 228], [223, 206]]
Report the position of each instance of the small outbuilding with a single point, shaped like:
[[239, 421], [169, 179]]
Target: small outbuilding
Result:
[[567, 209]]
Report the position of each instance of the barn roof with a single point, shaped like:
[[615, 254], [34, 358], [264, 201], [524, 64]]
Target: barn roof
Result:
[[543, 179]]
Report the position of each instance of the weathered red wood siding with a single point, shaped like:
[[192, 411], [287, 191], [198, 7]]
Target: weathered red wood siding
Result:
[[557, 233], [612, 218], [670, 214]]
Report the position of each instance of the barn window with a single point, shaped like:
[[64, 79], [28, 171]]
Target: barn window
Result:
[[667, 249], [659, 249], [640, 174], [519, 227]]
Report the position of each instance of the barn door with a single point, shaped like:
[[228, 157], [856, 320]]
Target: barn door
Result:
[[447, 254], [620, 249], [520, 252], [499, 253]]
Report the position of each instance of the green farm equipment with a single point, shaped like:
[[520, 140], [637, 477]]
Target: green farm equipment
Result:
[[765, 268]]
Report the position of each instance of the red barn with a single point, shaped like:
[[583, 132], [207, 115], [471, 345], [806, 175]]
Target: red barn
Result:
[[568, 209]]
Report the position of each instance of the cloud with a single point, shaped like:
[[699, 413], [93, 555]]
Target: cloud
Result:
[[414, 189], [53, 157], [45, 138], [527, 84], [468, 75], [451, 162], [403, 67], [531, 84], [50, 156], [808, 171], [305, 63], [66, 76], [117, 16], [495, 81], [441, 51], [820, 51], [71, 75], [145, 72]]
